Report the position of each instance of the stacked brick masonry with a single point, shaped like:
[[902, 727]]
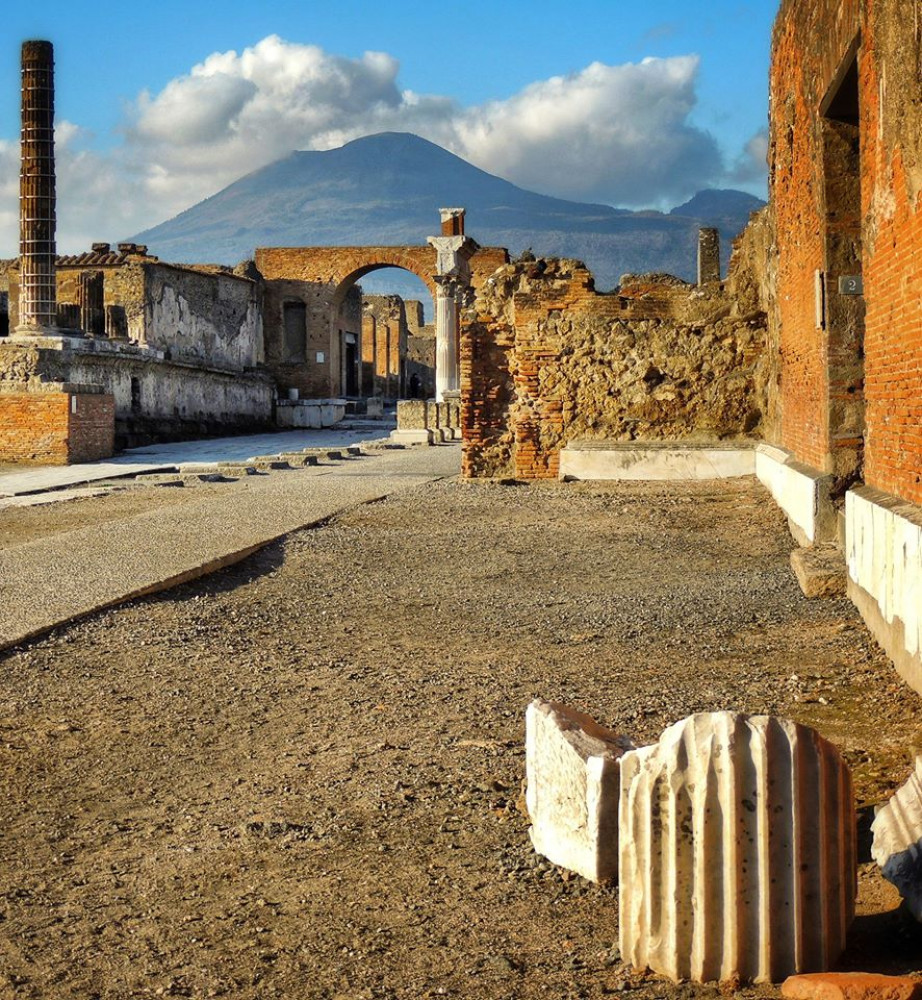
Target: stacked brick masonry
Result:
[[545, 361], [56, 428], [817, 394], [799, 80], [892, 174]]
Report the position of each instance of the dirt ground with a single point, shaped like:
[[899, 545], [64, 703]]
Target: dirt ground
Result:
[[302, 777]]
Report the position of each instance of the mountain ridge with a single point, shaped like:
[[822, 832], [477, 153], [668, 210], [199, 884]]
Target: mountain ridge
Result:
[[386, 189]]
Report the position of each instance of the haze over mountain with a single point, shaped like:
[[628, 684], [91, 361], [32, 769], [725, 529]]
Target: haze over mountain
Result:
[[387, 189]]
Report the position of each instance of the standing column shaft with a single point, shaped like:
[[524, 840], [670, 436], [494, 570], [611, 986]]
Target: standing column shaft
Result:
[[446, 340], [37, 294], [708, 255]]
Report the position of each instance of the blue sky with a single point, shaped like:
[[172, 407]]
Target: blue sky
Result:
[[597, 100]]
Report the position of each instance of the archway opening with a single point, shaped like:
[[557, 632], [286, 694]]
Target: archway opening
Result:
[[383, 322]]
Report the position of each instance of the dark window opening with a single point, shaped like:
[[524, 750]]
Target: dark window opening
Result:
[[294, 317]]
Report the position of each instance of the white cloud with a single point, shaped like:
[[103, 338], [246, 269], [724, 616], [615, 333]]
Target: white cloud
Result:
[[616, 134], [751, 165]]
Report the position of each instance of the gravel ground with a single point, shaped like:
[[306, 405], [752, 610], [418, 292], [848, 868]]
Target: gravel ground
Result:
[[301, 777]]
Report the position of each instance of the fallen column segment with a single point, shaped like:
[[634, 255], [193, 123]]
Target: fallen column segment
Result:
[[897, 845], [737, 850]]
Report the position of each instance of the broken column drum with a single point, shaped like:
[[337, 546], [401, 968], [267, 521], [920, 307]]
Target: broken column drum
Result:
[[897, 846], [572, 764], [37, 296], [737, 850]]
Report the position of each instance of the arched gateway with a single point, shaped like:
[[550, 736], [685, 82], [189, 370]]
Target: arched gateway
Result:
[[306, 288]]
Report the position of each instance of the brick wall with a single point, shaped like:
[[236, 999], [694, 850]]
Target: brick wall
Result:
[[56, 428], [858, 383], [545, 360]]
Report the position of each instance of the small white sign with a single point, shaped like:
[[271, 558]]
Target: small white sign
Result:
[[321, 357]]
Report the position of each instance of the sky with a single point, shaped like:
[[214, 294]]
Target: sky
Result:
[[160, 105]]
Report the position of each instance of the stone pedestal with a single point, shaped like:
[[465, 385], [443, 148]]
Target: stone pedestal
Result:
[[737, 851]]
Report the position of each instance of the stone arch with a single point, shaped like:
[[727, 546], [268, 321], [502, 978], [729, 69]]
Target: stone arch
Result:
[[422, 269]]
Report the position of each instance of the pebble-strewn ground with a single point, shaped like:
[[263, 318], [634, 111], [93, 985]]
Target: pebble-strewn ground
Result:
[[302, 777]]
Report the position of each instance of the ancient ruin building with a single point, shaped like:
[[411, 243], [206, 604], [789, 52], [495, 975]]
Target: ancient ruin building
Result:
[[420, 364], [384, 343], [844, 289]]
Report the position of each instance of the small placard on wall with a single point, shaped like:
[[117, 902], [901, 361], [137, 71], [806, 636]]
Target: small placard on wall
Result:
[[851, 284], [321, 357]]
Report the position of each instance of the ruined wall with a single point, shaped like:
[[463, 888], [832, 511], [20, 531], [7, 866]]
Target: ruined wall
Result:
[[152, 398], [801, 76], [892, 165], [846, 175], [545, 360], [389, 316], [213, 319], [310, 360]]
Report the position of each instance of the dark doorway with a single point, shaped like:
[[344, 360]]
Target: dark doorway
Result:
[[841, 310], [350, 365]]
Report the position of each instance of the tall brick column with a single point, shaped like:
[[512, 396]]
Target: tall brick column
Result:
[[37, 292]]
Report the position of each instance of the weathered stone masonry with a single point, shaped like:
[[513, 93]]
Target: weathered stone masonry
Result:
[[545, 360]]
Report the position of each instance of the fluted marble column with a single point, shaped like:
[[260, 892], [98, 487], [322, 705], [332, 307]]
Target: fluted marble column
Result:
[[737, 850], [446, 337]]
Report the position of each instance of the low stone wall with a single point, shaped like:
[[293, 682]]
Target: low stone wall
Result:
[[57, 425], [309, 413], [154, 399], [884, 553], [545, 360], [801, 492]]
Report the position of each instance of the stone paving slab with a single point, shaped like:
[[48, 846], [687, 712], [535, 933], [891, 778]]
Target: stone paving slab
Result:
[[53, 580]]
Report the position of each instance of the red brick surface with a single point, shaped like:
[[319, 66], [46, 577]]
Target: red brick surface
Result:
[[851, 986], [48, 428], [811, 42]]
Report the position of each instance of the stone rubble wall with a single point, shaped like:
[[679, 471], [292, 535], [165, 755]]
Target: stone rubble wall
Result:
[[545, 361], [153, 398]]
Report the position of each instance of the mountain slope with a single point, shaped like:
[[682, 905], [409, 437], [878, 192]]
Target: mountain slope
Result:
[[387, 189]]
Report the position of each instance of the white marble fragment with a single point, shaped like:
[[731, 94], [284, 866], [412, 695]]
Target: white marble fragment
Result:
[[897, 846], [737, 845], [571, 766]]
